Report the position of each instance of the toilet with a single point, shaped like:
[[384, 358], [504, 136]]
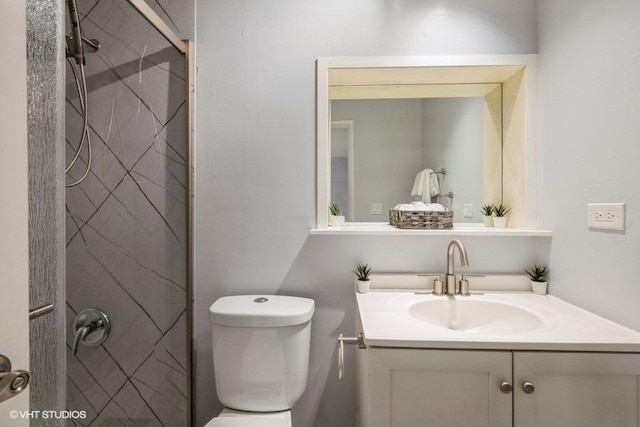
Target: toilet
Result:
[[260, 357]]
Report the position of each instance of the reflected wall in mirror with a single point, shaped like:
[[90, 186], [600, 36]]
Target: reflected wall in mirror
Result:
[[382, 120], [342, 168], [395, 139]]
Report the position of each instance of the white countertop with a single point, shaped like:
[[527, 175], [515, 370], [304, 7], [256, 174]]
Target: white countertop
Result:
[[386, 323]]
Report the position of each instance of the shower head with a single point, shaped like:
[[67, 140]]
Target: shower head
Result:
[[74, 43]]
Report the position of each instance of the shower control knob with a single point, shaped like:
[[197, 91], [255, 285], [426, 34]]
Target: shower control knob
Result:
[[528, 388], [91, 328], [506, 387]]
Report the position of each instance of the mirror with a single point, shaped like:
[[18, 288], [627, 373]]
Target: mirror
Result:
[[381, 121], [379, 146]]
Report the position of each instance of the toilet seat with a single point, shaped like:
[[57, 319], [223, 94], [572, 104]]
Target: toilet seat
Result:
[[232, 418]]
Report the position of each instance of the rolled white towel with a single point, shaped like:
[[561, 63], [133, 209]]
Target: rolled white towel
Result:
[[404, 207], [437, 207], [419, 206]]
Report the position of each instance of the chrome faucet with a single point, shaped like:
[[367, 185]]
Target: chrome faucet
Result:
[[450, 278]]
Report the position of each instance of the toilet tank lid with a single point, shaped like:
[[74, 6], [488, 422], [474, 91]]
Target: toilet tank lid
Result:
[[261, 311]]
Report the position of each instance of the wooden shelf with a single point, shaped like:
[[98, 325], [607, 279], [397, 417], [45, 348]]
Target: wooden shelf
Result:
[[461, 229]]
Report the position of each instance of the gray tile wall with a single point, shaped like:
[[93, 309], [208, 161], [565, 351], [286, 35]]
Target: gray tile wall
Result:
[[126, 224]]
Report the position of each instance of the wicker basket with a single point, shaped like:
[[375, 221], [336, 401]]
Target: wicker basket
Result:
[[426, 220]]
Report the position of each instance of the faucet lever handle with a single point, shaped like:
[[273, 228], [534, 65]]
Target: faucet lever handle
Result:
[[464, 287], [464, 283], [438, 288], [437, 283]]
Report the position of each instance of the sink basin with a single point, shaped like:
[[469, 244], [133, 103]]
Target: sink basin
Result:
[[508, 318], [476, 316]]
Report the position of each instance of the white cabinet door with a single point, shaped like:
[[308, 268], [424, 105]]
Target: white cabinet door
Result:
[[410, 388], [577, 390]]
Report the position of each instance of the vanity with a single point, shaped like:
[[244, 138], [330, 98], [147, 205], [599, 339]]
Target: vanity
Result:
[[499, 357]]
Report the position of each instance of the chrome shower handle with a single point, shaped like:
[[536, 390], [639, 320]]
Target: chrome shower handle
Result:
[[85, 330], [91, 328], [79, 336]]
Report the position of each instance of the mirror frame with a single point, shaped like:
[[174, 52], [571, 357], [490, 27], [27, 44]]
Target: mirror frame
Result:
[[518, 76]]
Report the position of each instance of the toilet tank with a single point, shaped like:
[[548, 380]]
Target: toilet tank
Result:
[[261, 350]]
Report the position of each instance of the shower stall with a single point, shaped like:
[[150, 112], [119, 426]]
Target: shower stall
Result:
[[111, 187]]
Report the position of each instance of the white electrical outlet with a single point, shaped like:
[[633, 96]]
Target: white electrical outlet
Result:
[[468, 210], [606, 216], [376, 208]]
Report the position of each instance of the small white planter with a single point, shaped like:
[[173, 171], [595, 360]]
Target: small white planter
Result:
[[487, 220], [539, 288], [336, 220], [500, 222], [362, 286]]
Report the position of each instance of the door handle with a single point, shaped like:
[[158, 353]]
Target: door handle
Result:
[[34, 313], [11, 382]]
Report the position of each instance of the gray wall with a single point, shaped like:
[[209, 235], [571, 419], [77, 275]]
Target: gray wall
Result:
[[589, 132], [340, 184], [256, 164], [453, 138], [179, 15], [126, 223], [387, 149]]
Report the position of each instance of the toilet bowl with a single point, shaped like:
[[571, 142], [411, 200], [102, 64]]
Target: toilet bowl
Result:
[[260, 357]]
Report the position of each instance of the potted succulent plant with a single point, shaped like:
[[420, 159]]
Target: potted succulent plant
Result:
[[500, 213], [538, 275], [335, 219], [363, 281], [487, 214]]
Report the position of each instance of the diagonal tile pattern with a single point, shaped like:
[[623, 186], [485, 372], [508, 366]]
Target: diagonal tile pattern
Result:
[[126, 223]]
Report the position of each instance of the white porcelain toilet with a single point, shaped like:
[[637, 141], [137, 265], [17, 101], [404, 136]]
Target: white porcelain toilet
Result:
[[260, 357]]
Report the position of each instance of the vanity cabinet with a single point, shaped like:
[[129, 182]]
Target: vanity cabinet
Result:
[[409, 388], [462, 388], [577, 389]]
